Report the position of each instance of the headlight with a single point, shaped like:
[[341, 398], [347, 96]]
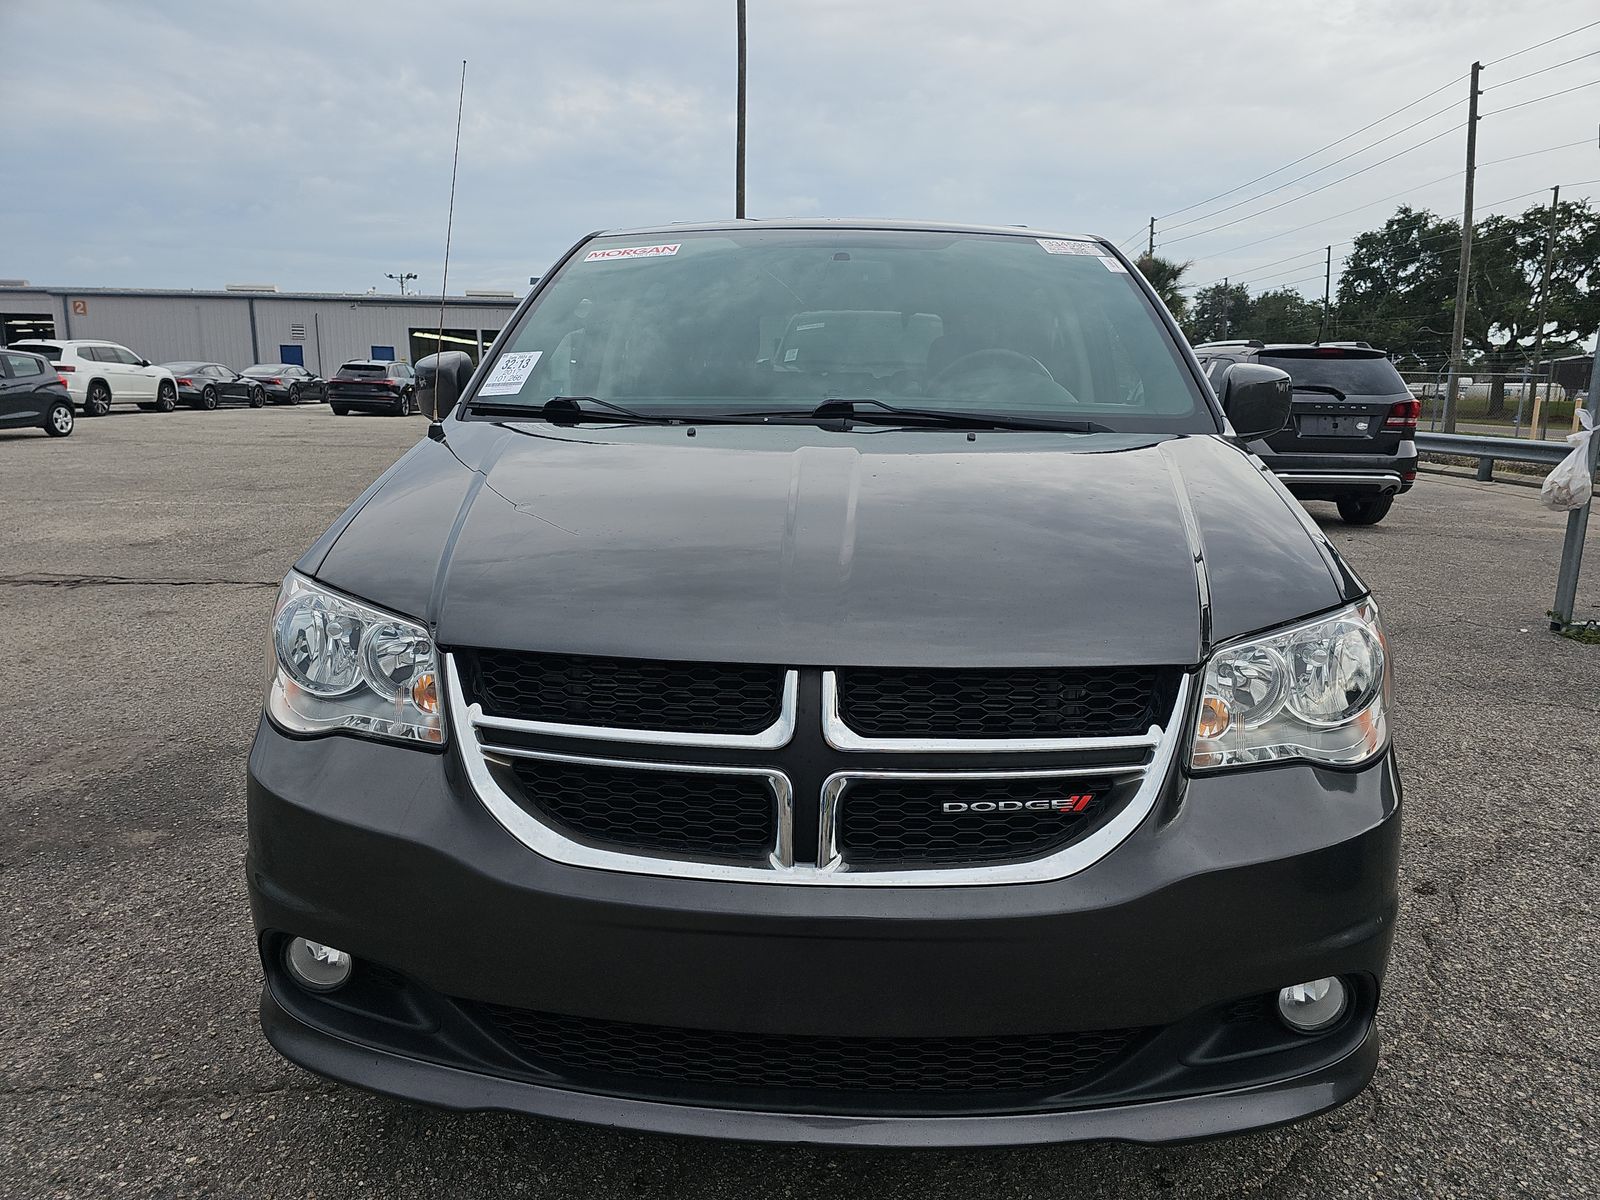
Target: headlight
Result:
[[1317, 691], [339, 664]]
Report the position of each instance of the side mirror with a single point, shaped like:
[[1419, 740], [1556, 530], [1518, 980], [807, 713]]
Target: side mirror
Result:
[[440, 379], [144, 362], [1257, 400]]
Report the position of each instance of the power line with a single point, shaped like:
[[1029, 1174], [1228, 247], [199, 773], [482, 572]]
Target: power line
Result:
[[1369, 204], [1540, 71], [1547, 96], [1278, 287], [1371, 125], [1257, 278], [1254, 275], [1324, 187], [1379, 121], [1530, 153], [1537, 45], [1316, 171], [1381, 199]]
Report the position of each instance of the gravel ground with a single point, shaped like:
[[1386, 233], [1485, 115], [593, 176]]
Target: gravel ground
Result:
[[138, 560]]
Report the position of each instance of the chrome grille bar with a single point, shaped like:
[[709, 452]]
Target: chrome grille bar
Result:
[[478, 747]]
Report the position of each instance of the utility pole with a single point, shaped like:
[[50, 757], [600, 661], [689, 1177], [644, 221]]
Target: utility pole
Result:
[[1543, 424], [1460, 331], [1150, 250], [1227, 308], [401, 278], [738, 184], [1327, 289]]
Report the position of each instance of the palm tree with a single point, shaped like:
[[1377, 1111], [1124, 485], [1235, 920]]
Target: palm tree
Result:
[[1166, 276]]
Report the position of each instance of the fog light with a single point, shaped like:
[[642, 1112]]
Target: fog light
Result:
[[1313, 1007], [316, 967]]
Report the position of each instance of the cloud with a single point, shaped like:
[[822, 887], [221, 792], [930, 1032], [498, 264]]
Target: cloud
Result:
[[309, 144]]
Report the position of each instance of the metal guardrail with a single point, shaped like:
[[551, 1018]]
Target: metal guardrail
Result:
[[1487, 449]]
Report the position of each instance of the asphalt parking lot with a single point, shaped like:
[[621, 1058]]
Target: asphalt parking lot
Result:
[[138, 563]]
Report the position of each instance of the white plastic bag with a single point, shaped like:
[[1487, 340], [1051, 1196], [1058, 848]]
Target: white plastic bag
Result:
[[1570, 484]]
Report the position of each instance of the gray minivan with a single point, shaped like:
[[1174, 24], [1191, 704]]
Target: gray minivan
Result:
[[833, 682]]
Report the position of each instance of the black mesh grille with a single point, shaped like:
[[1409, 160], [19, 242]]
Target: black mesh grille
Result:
[[625, 693], [637, 1056], [1064, 702], [724, 816], [905, 821]]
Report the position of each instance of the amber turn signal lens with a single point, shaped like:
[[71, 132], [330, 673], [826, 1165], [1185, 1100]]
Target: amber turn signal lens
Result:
[[425, 693], [1214, 718]]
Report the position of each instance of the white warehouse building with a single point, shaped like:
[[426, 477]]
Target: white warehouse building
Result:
[[248, 324]]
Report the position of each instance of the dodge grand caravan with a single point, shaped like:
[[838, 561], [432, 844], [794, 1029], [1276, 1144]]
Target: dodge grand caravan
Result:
[[833, 682]]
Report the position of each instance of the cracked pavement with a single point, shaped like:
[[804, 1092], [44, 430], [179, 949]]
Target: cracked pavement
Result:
[[137, 562]]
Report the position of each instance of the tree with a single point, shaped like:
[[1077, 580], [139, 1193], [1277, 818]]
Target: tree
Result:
[[1398, 287], [1399, 284], [1283, 315], [1166, 276], [1219, 311], [1508, 261]]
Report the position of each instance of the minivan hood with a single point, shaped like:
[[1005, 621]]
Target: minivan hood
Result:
[[797, 546]]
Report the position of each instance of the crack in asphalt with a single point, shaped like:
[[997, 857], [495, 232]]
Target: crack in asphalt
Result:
[[77, 581]]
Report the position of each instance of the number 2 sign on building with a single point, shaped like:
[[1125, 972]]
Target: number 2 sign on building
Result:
[[80, 308]]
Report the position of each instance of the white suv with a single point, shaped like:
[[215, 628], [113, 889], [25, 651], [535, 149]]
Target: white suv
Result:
[[100, 374]]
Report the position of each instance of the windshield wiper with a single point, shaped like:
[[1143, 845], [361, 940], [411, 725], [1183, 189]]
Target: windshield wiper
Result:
[[842, 408], [568, 410], [1317, 387]]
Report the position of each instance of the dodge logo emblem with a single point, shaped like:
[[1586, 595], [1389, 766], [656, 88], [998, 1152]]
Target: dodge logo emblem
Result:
[[1074, 803]]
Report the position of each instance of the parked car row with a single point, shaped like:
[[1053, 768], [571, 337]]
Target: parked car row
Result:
[[92, 376]]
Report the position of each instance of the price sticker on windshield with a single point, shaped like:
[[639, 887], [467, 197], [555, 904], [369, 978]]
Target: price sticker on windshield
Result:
[[510, 373], [1068, 246]]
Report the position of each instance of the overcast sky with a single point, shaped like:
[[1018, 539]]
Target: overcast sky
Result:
[[193, 143]]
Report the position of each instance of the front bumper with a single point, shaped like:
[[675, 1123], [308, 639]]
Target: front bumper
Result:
[[1254, 880]]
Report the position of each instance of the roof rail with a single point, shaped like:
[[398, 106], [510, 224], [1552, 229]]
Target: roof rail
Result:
[[1253, 343]]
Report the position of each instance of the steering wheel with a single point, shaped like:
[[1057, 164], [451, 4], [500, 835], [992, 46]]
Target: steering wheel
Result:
[[995, 356]]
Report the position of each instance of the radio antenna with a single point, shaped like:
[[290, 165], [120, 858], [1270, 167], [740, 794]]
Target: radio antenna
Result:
[[444, 277]]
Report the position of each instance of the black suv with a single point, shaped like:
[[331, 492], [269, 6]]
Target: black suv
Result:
[[833, 682], [372, 385], [1350, 436]]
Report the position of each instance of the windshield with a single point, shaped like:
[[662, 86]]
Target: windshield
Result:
[[1368, 375], [780, 320]]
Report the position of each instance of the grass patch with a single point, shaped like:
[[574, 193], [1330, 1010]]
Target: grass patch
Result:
[[1588, 634]]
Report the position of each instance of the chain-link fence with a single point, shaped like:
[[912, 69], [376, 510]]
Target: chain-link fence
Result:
[[1501, 403]]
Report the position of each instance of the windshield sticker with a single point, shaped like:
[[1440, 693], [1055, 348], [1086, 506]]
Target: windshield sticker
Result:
[[1113, 265], [1063, 246], [510, 373], [632, 252]]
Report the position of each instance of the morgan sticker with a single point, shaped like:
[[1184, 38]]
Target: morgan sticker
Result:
[[631, 252]]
